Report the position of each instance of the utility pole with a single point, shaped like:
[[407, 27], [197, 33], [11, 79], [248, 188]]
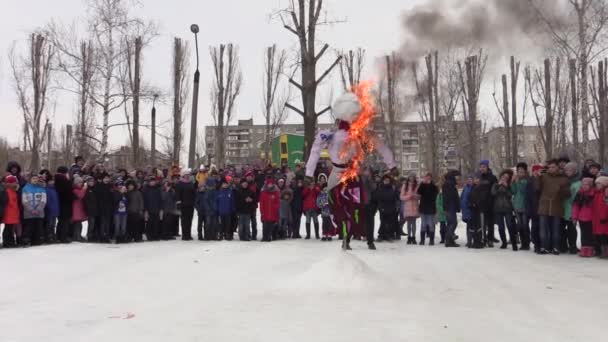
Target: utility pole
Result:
[[197, 75]]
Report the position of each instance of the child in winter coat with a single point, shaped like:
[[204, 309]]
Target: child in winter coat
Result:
[[285, 214], [270, 204], [466, 210], [169, 213], [600, 215], [582, 212], [120, 213], [451, 205], [428, 208], [79, 213], [92, 208], [475, 227], [441, 217], [153, 207], [245, 206], [135, 212], [503, 209], [209, 198], [410, 202], [524, 202], [323, 205], [387, 198], [569, 233], [311, 211], [11, 218], [199, 205], [34, 200], [224, 203], [51, 211]]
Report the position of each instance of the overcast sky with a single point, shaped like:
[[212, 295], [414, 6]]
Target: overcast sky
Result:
[[373, 25]]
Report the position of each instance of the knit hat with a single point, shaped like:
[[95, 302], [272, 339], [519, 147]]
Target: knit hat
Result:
[[564, 158], [186, 172], [62, 169], [587, 181], [10, 179], [522, 165], [202, 168], [228, 179], [571, 166], [603, 181], [484, 162], [269, 180], [537, 167]]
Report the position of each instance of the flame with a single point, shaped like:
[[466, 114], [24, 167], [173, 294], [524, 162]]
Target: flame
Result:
[[359, 137]]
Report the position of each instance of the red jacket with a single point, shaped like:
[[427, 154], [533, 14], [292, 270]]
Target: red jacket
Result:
[[270, 203], [79, 214], [11, 211], [582, 207], [600, 214], [310, 198]]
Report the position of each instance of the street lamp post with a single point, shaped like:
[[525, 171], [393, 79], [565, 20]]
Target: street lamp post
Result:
[[153, 138], [191, 153]]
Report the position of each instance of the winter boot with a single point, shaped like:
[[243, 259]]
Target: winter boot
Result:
[[451, 243], [317, 232], [308, 231], [604, 254], [371, 246], [346, 244], [422, 238], [432, 239], [587, 252], [409, 241]]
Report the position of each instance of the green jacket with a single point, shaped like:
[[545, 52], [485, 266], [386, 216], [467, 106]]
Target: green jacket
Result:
[[519, 190], [440, 211], [574, 188]]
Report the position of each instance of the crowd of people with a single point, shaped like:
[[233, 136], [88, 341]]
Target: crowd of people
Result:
[[543, 207]]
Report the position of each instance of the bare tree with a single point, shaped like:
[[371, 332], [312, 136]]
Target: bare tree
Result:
[[110, 25], [225, 89], [274, 68], [504, 114], [582, 39], [303, 21], [471, 78], [180, 95], [351, 67], [32, 75], [599, 92], [514, 136], [134, 51]]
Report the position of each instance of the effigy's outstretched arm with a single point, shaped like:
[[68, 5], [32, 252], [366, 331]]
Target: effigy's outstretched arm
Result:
[[315, 152], [385, 152]]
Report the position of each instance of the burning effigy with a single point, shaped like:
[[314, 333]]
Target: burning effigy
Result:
[[347, 147]]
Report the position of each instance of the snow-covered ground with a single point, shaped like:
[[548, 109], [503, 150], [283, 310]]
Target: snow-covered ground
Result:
[[297, 291]]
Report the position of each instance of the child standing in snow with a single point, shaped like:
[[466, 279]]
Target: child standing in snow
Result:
[[475, 226], [51, 211], [582, 212], [600, 215], [34, 201], [323, 204], [466, 210], [79, 213], [410, 202], [428, 208], [224, 203], [285, 214], [120, 215], [270, 203], [440, 216], [11, 218]]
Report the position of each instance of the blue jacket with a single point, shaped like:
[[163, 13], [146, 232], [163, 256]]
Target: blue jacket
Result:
[[464, 203], [52, 202], [34, 201], [224, 202], [209, 204], [199, 202]]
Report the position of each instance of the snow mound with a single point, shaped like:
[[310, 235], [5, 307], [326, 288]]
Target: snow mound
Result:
[[339, 274]]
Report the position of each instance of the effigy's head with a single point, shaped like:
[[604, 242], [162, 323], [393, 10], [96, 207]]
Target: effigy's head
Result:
[[347, 107]]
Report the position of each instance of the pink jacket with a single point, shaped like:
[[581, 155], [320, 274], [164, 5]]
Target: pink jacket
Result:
[[410, 201], [600, 213], [583, 212], [79, 213]]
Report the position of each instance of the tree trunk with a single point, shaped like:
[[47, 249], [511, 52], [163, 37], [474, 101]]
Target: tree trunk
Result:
[[68, 144], [153, 138], [601, 111], [507, 129], [177, 95], [548, 112], [574, 99], [584, 81], [514, 128], [49, 144], [432, 116], [136, 96], [471, 66]]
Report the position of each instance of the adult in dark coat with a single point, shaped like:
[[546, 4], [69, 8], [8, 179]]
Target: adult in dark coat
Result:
[[387, 198], [451, 205], [92, 208], [152, 208], [185, 194], [245, 207], [486, 182], [106, 207], [297, 207], [428, 192], [63, 185]]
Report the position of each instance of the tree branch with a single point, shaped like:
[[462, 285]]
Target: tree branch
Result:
[[294, 109], [328, 70]]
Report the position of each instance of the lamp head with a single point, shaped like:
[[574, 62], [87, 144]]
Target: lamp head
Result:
[[194, 28]]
